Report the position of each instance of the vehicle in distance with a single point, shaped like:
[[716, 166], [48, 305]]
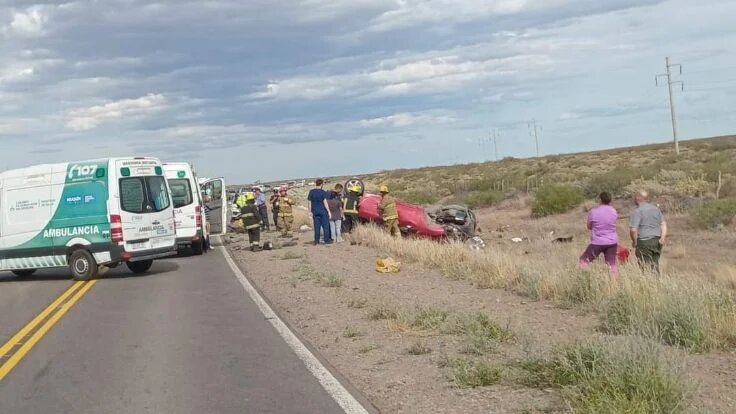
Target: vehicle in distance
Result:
[[85, 215], [191, 228]]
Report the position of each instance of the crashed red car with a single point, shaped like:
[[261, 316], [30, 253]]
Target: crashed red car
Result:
[[446, 222]]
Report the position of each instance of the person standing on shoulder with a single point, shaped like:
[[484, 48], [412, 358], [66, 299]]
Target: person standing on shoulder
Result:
[[334, 203], [286, 213], [252, 221], [389, 212], [351, 207], [262, 205], [274, 201], [603, 235], [648, 230], [320, 212]]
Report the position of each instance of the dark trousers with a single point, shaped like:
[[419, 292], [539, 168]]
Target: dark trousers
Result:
[[594, 250], [275, 212], [648, 253], [351, 220], [254, 236], [321, 223], [263, 210]]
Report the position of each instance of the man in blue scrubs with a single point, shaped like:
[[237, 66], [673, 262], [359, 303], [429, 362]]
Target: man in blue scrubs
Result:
[[320, 212]]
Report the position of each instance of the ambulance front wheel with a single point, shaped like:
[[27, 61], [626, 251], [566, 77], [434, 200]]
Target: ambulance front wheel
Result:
[[83, 265], [139, 267]]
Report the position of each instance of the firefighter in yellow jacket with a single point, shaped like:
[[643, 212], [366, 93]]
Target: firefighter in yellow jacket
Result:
[[286, 213], [351, 208], [251, 219], [389, 212]]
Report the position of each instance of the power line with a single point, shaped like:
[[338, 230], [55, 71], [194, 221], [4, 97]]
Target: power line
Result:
[[670, 82]]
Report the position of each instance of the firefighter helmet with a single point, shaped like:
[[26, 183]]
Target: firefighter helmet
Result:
[[383, 189], [355, 188], [249, 196]]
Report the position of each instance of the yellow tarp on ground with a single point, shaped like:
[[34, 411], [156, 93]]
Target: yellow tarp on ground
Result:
[[387, 265]]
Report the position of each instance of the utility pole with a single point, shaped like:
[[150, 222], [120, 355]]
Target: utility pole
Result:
[[668, 75], [495, 143], [534, 131]]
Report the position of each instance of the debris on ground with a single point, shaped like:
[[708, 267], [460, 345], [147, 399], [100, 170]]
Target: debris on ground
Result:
[[566, 239], [503, 228], [476, 243], [387, 265], [517, 240], [304, 228]]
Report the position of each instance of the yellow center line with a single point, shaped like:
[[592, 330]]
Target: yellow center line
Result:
[[15, 340], [33, 340]]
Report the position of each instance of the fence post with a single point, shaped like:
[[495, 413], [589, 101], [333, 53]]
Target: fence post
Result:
[[720, 184]]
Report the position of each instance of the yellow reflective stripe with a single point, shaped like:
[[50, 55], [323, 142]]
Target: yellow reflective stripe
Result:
[[253, 226], [249, 215]]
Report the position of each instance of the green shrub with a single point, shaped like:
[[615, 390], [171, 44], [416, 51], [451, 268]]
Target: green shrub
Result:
[[597, 377], [583, 288], [472, 374], [417, 197], [614, 182], [555, 199], [681, 321], [714, 214], [429, 318], [618, 314], [477, 199], [485, 184]]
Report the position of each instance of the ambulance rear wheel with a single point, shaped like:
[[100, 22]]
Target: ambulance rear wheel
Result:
[[82, 265], [139, 267], [24, 272]]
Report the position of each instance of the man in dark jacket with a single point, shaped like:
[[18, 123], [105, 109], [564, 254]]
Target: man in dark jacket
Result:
[[275, 206]]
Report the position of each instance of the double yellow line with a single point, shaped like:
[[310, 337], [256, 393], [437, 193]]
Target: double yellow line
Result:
[[21, 343]]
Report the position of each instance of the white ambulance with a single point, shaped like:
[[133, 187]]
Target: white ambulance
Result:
[[191, 221], [86, 215]]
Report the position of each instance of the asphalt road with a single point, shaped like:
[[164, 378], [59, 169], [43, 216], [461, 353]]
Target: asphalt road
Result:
[[184, 338]]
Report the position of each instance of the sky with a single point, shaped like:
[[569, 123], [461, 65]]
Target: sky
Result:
[[275, 89]]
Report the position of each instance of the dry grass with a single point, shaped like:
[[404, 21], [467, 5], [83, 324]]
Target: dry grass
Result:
[[724, 275], [680, 309]]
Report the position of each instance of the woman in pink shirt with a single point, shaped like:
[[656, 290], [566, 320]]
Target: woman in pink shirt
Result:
[[603, 235]]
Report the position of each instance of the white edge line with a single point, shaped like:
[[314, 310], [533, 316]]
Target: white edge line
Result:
[[337, 391]]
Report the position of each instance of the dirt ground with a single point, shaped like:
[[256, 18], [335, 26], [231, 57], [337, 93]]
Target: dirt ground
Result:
[[374, 355]]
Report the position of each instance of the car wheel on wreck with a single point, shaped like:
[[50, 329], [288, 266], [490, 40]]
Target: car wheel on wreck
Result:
[[354, 181]]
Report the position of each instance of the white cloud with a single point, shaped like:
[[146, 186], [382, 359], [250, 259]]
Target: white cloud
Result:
[[404, 119], [29, 23], [409, 13], [424, 75], [84, 119], [15, 73]]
